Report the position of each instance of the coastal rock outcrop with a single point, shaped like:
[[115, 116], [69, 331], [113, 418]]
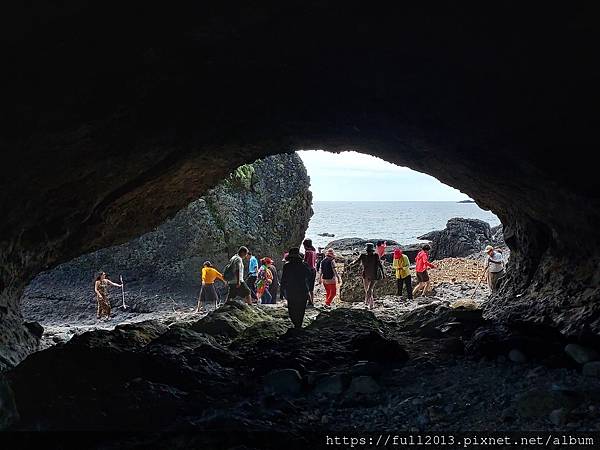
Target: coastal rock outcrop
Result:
[[355, 243], [461, 237], [265, 205]]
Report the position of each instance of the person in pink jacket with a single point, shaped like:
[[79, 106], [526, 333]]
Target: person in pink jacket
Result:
[[422, 264], [381, 245]]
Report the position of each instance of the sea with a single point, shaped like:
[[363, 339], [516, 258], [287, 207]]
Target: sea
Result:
[[400, 221]]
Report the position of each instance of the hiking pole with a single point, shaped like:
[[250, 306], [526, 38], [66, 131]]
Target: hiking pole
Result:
[[478, 283], [124, 306]]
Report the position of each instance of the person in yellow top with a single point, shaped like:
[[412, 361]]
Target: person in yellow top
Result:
[[402, 266], [208, 292]]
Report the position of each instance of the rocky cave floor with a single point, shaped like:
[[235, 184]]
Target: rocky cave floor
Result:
[[429, 364]]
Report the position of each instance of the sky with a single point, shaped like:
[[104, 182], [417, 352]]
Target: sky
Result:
[[352, 176]]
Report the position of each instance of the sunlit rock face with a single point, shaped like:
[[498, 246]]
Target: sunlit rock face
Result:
[[104, 135]]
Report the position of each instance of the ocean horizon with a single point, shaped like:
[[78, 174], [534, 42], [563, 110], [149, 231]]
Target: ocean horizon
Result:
[[401, 221]]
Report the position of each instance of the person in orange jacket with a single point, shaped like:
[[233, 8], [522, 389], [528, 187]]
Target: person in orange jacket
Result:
[[422, 264]]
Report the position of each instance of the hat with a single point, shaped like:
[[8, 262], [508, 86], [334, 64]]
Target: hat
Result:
[[293, 253], [266, 260], [370, 247], [488, 248], [207, 263], [330, 252]]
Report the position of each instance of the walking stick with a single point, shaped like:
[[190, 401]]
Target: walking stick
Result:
[[478, 283], [123, 292]]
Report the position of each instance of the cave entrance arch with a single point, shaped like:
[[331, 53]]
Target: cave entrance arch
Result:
[[266, 206], [105, 146]]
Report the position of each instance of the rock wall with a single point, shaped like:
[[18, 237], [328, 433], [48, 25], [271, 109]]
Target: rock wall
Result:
[[105, 146], [265, 206]]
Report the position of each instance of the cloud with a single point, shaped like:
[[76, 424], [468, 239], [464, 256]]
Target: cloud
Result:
[[319, 160], [356, 176]]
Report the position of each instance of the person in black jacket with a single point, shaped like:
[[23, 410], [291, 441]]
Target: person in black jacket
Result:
[[295, 285], [372, 271]]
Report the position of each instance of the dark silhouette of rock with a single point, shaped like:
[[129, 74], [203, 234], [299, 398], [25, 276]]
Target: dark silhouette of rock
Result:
[[356, 243], [461, 237], [109, 379], [410, 250], [374, 347], [8, 410]]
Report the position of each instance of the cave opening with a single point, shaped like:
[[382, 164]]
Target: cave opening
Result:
[[271, 205], [158, 356], [106, 135]]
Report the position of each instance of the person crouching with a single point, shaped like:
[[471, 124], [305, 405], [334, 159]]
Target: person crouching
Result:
[[208, 292]]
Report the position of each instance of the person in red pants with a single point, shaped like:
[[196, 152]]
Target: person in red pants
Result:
[[329, 277]]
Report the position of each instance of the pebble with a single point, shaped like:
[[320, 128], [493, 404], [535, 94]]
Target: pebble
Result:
[[286, 381], [536, 372], [366, 368], [507, 415], [591, 369], [517, 356], [333, 384], [363, 385], [558, 416], [581, 354]]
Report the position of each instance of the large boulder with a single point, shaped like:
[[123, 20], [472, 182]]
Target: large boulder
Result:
[[355, 243], [265, 206], [352, 288], [461, 237]]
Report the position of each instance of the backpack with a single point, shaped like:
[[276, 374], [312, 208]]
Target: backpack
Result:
[[229, 272], [265, 275], [327, 269]]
